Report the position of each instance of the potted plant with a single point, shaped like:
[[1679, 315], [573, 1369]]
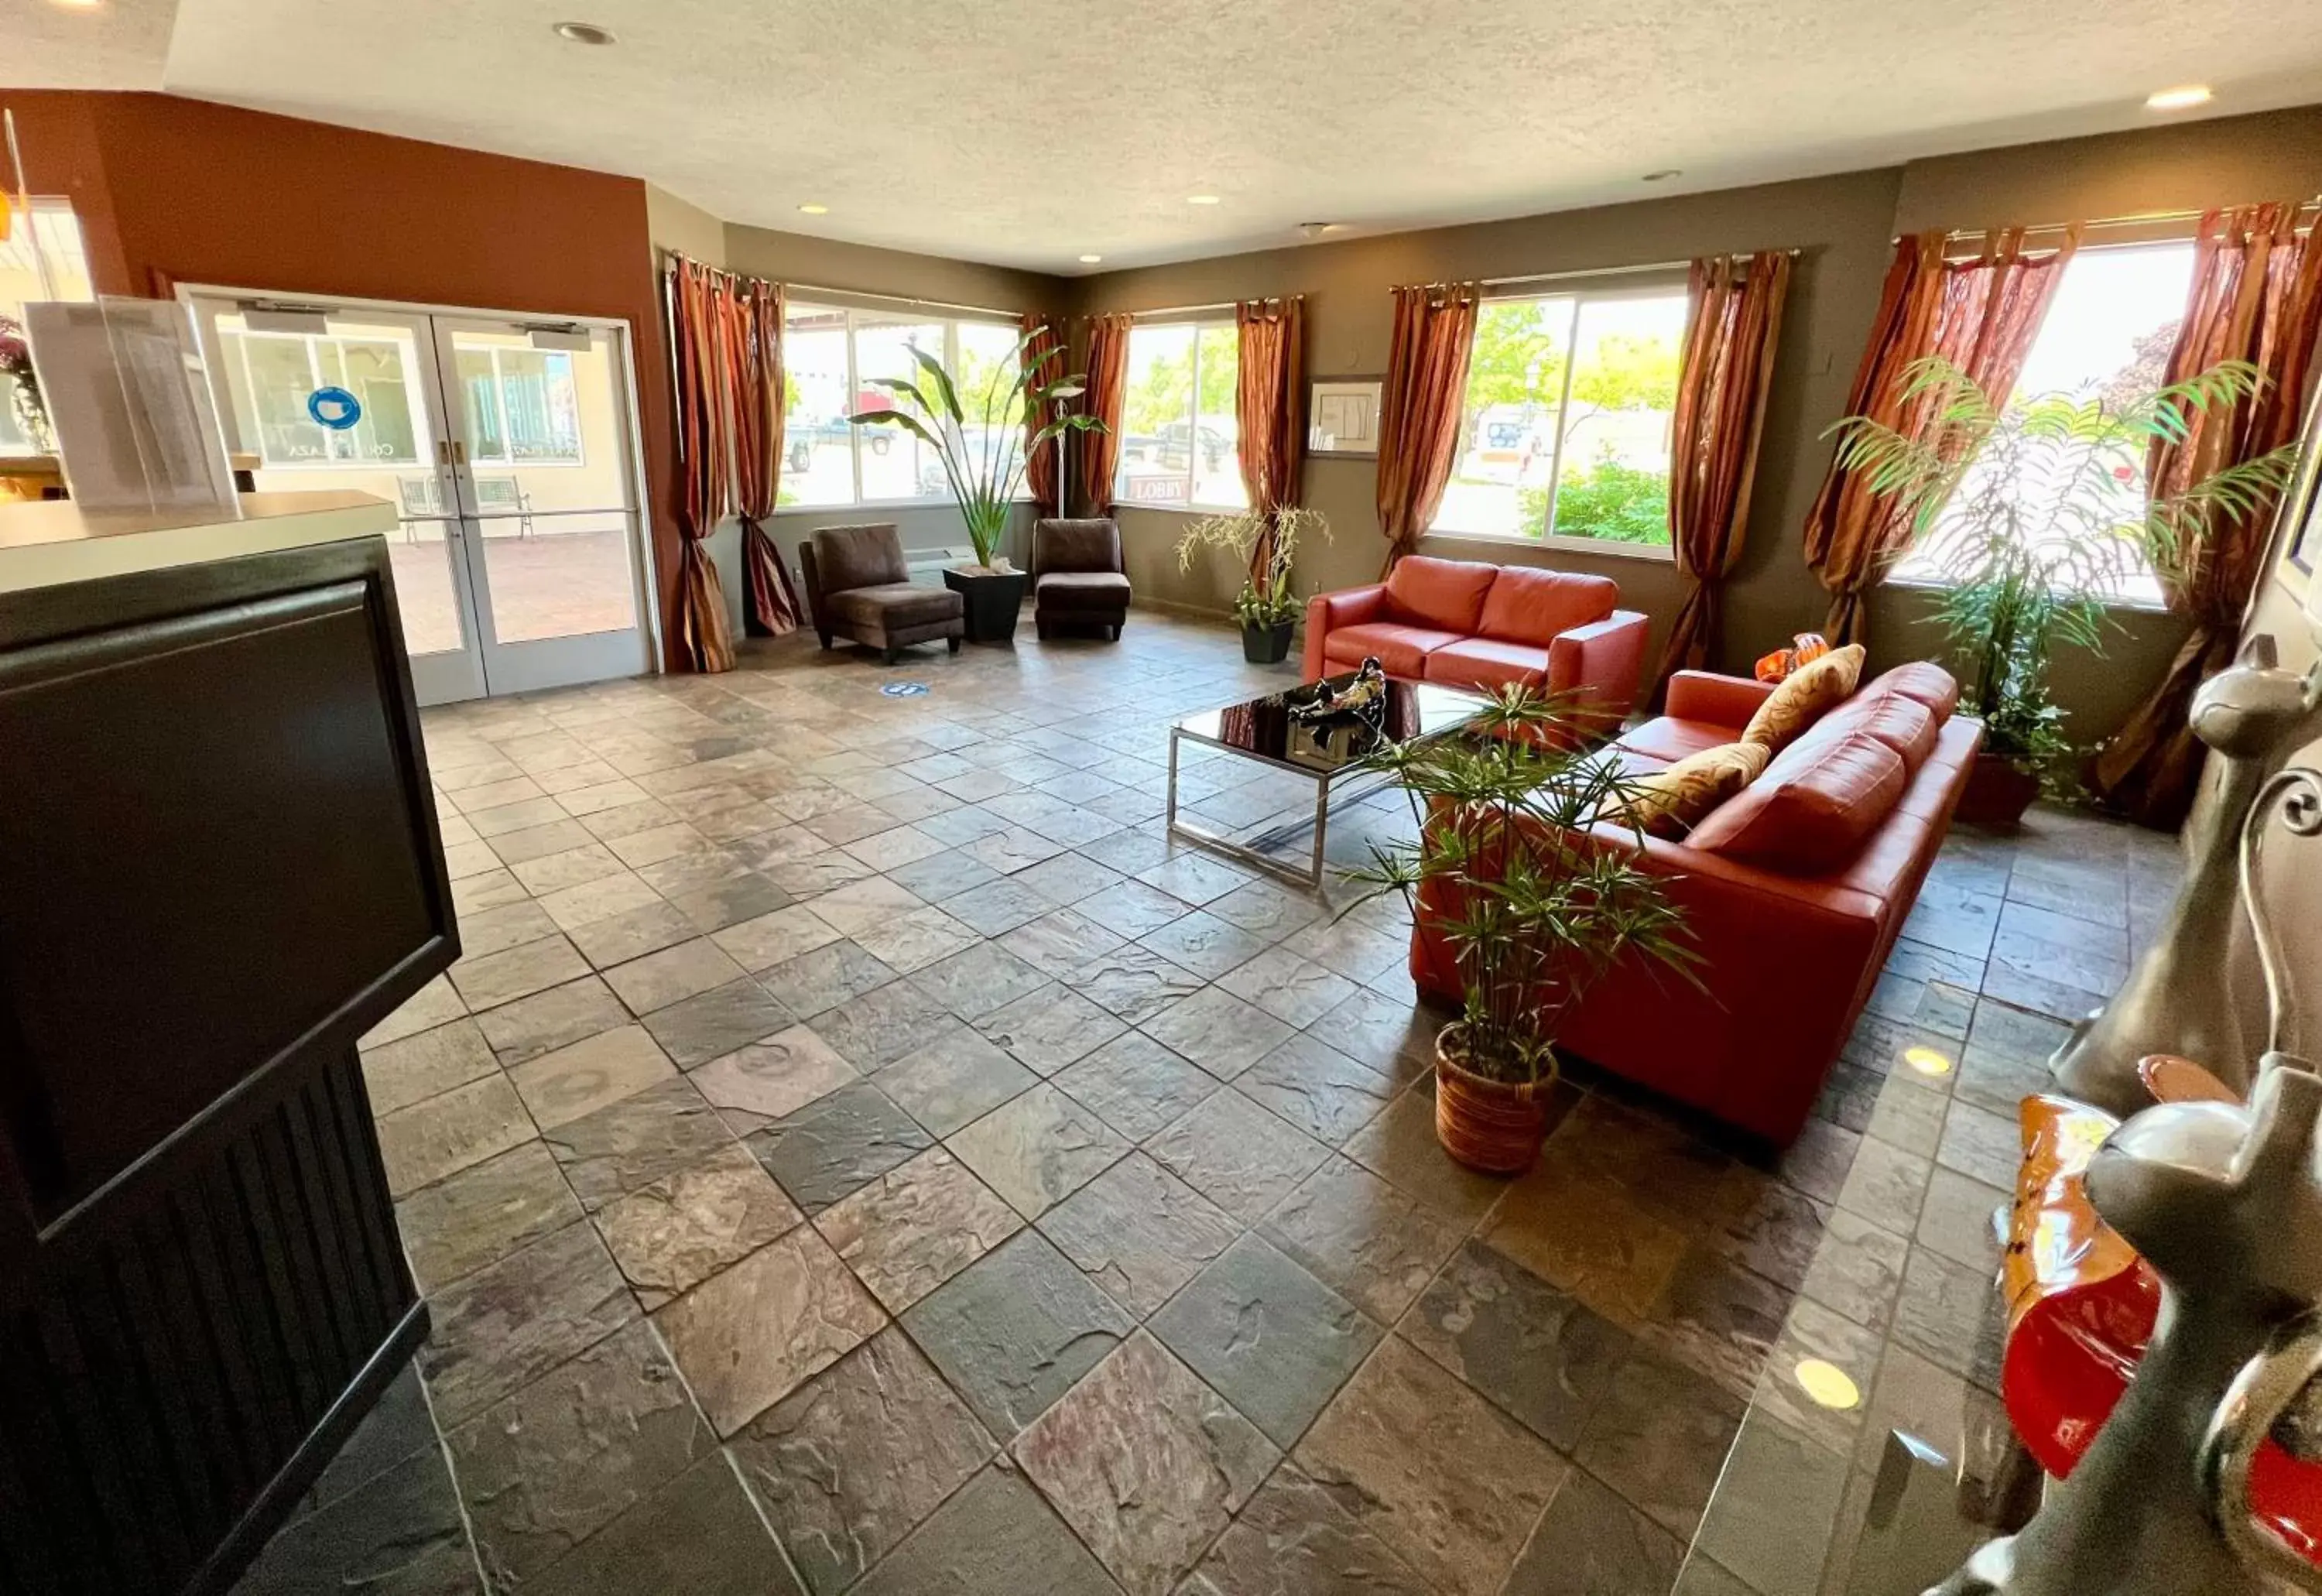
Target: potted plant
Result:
[[983, 456], [2034, 515], [1531, 910], [1264, 544]]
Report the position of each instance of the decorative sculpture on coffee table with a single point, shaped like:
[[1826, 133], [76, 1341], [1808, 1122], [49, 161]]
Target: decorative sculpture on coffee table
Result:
[[2226, 1204], [2256, 715]]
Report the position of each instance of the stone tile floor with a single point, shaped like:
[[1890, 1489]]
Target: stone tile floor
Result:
[[856, 1151]]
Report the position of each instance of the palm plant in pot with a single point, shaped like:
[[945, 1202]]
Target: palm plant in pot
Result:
[[1530, 909], [2031, 516], [983, 452], [1267, 606]]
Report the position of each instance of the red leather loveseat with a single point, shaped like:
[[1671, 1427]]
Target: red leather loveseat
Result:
[[1483, 626], [1789, 955]]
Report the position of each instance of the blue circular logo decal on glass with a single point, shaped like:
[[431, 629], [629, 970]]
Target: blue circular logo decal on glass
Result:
[[334, 409], [904, 689]]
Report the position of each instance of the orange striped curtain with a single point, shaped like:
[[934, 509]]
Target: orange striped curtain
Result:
[[1270, 399], [1421, 406], [1040, 463], [1108, 391], [1725, 373], [698, 334], [1980, 314], [754, 381], [2256, 296]]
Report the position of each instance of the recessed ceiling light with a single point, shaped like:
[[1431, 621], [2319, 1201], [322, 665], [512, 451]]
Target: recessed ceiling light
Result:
[[584, 33], [1201, 199], [75, 4], [812, 209], [1663, 175], [2179, 99], [1927, 1060], [1828, 1384], [1091, 259]]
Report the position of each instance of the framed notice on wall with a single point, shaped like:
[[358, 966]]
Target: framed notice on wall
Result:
[[1342, 417]]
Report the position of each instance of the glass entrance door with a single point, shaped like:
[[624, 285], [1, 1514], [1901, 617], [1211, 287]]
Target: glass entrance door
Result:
[[507, 449]]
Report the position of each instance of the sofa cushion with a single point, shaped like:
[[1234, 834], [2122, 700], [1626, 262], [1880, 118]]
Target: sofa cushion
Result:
[[1670, 738], [1811, 692], [1904, 724], [1813, 808], [1670, 802], [1402, 650], [1526, 604], [893, 605], [1924, 680], [1083, 589], [1445, 595], [1486, 665], [859, 557]]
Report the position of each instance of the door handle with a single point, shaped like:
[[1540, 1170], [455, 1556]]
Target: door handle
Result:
[[458, 452], [443, 451]]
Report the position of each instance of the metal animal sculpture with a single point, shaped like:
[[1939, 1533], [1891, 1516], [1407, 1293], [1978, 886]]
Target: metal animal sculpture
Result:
[[2178, 999], [2225, 1202]]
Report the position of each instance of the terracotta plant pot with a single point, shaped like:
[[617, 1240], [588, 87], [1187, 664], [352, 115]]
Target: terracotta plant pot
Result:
[[1997, 793], [1485, 1124]]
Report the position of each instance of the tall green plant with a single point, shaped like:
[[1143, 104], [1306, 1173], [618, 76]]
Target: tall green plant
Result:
[[985, 471], [1267, 598], [1535, 911], [2034, 514]]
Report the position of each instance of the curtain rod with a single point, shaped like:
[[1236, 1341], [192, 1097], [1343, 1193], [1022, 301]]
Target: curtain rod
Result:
[[981, 310], [2149, 219], [1578, 273], [1650, 266]]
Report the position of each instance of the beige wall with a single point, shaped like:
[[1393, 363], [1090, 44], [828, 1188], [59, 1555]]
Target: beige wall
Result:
[[1843, 227]]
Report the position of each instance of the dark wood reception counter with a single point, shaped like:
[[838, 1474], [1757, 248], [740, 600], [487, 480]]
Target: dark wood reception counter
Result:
[[219, 865]]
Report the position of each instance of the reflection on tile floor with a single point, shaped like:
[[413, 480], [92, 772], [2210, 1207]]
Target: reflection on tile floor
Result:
[[857, 1153]]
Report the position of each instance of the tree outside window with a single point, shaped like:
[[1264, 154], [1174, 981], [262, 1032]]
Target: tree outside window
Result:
[[1566, 431]]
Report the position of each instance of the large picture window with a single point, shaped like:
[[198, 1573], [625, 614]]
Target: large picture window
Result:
[[1566, 435], [830, 353], [2106, 336], [1178, 442]]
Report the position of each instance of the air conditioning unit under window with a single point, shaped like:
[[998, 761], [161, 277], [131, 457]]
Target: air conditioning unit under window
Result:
[[926, 565]]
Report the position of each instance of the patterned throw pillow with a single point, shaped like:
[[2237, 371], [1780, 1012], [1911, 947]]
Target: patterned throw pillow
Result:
[[1671, 803], [1809, 694]]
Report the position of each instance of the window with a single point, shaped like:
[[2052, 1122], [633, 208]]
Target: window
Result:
[[829, 355], [51, 222], [1567, 429], [2108, 336], [1178, 443], [278, 370]]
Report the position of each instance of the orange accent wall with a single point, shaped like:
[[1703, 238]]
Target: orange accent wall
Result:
[[172, 191]]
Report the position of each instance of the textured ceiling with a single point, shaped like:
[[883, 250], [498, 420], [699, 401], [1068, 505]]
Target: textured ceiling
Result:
[[1030, 132], [112, 44]]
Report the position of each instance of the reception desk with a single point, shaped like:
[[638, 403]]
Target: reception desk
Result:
[[219, 866]]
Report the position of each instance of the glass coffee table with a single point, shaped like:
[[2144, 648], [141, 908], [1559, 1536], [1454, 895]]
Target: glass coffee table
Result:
[[1328, 753]]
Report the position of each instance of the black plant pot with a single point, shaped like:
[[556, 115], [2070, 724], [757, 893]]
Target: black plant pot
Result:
[[1266, 645], [992, 601]]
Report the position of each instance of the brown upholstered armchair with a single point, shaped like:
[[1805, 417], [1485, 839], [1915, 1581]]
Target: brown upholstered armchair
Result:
[[858, 586], [1077, 574]]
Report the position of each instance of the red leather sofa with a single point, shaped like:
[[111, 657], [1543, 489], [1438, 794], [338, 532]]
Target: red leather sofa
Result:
[[1788, 960], [1483, 626]]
